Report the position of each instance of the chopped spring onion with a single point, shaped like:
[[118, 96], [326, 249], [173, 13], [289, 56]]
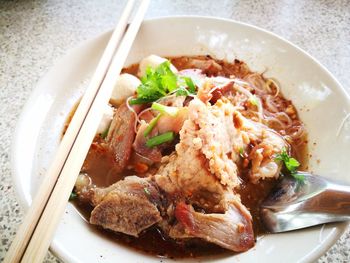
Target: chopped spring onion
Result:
[[299, 177], [136, 101], [105, 133], [72, 196], [254, 100], [241, 152], [151, 125], [182, 92], [172, 111], [162, 138], [147, 191], [186, 87]]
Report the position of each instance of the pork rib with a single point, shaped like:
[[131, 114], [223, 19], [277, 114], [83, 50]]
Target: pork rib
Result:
[[130, 207]]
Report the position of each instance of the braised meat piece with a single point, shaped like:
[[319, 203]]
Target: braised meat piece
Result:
[[202, 172], [121, 135], [128, 206], [197, 181], [232, 230], [203, 158]]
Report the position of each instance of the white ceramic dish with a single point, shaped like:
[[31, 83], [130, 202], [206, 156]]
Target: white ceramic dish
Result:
[[321, 101]]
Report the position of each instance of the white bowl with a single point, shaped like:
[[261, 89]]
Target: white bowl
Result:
[[321, 101]]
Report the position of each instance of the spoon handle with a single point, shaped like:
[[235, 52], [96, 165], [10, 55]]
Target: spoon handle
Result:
[[336, 199], [331, 199]]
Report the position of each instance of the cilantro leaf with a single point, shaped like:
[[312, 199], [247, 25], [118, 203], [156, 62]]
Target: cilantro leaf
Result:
[[299, 177], [159, 82], [182, 92], [290, 163], [139, 101], [190, 85]]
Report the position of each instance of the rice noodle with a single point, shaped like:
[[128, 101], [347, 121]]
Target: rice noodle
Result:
[[270, 105], [250, 96], [149, 161], [267, 87], [137, 120], [257, 82], [260, 109], [342, 124], [296, 135], [276, 84], [241, 82], [142, 112], [273, 119], [242, 90], [285, 117]]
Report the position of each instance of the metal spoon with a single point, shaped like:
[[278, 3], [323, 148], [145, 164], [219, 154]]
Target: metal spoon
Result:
[[295, 204]]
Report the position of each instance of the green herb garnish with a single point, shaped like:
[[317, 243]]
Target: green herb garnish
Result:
[[186, 87], [137, 101], [172, 111], [290, 163], [241, 152], [151, 125], [105, 133], [147, 191], [190, 85], [182, 92], [299, 177], [159, 82], [162, 138], [73, 196], [254, 100]]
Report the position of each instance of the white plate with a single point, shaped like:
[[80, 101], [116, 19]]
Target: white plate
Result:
[[321, 101]]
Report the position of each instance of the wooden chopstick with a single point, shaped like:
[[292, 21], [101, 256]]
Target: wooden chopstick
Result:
[[35, 234]]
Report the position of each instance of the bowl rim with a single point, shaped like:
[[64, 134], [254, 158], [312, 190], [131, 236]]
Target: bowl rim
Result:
[[24, 201]]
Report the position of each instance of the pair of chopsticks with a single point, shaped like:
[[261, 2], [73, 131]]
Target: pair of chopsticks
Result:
[[34, 236]]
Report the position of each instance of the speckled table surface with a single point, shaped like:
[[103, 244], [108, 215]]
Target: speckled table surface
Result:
[[35, 34]]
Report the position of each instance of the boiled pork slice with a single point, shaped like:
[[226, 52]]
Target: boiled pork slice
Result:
[[121, 135]]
